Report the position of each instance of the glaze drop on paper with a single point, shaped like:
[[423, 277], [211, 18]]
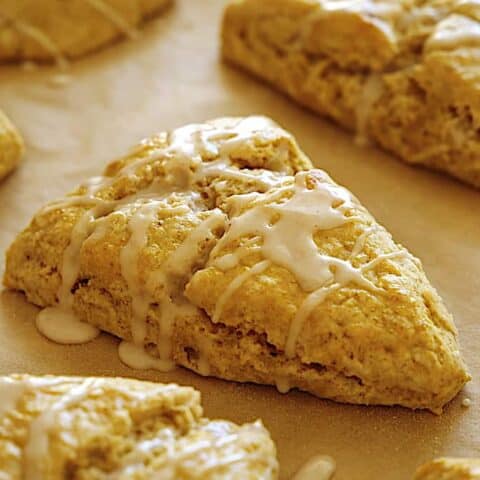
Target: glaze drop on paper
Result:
[[62, 326], [320, 467]]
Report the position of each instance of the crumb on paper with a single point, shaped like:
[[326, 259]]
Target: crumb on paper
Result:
[[60, 79]]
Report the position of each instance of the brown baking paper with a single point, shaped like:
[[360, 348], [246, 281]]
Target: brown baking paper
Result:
[[171, 76]]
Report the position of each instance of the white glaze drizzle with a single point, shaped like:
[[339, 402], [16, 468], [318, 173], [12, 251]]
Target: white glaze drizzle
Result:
[[184, 169], [456, 31], [382, 14], [320, 467], [208, 448], [177, 268], [13, 389], [139, 224], [288, 239], [40, 37], [235, 284], [342, 276], [382, 9], [114, 17], [208, 445], [372, 90], [49, 320], [161, 285], [282, 383], [37, 447], [287, 231]]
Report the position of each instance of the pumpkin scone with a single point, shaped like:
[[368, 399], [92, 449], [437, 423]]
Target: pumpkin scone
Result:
[[56, 30], [403, 73], [450, 469], [11, 146], [218, 247], [90, 428]]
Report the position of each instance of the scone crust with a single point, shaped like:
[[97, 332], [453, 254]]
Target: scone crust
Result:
[[11, 146], [449, 469], [92, 428], [56, 30], [407, 82]]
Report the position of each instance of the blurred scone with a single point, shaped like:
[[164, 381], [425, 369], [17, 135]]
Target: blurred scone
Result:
[[11, 146], [60, 29], [450, 469], [404, 73], [217, 247], [114, 428]]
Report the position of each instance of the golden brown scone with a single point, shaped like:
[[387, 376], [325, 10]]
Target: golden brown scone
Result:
[[55, 30], [450, 469], [90, 428], [217, 247], [11, 146], [402, 73]]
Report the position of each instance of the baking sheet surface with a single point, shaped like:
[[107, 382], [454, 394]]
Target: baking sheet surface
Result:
[[171, 76]]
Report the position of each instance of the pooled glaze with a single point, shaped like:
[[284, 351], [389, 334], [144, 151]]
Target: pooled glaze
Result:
[[62, 326], [320, 467], [135, 356], [59, 323]]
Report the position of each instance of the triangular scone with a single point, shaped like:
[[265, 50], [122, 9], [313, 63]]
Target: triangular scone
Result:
[[54, 30], [403, 73], [11, 146], [450, 469], [219, 248], [115, 428]]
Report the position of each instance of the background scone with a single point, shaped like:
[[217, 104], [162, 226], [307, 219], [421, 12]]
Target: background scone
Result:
[[217, 247], [404, 73], [103, 428], [11, 146], [61, 29], [450, 469]]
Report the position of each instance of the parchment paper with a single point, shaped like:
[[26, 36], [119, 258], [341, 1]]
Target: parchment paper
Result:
[[171, 76]]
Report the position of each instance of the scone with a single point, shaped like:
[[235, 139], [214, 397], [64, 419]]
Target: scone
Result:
[[219, 248], [57, 428], [450, 469], [55, 30], [403, 73], [11, 146]]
